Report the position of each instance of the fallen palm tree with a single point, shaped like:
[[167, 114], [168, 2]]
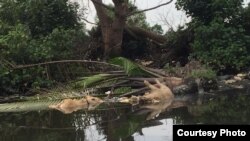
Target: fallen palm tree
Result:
[[126, 80]]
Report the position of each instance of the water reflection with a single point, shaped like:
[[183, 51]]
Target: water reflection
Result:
[[162, 132], [124, 122], [150, 111]]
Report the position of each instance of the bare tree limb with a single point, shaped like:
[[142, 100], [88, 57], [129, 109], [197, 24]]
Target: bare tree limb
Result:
[[135, 92], [152, 8], [62, 61], [89, 21]]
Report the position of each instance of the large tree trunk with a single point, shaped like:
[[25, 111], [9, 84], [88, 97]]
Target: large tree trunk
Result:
[[119, 21], [112, 29]]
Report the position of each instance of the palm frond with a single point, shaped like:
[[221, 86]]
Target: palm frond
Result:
[[27, 106], [131, 68], [65, 70], [91, 80], [76, 85]]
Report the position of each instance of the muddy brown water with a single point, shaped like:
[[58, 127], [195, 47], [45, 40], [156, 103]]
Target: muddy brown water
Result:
[[123, 122]]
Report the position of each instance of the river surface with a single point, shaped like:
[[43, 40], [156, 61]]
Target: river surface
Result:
[[124, 122]]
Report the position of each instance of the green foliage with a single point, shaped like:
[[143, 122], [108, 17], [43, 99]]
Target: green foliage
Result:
[[170, 69], [244, 19], [60, 44], [220, 29], [122, 90], [157, 29], [20, 48], [206, 10], [221, 46], [91, 80], [32, 32], [14, 43], [27, 106], [41, 16], [138, 20], [129, 67], [203, 73]]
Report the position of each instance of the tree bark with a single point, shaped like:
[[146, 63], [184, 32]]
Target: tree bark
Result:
[[112, 29]]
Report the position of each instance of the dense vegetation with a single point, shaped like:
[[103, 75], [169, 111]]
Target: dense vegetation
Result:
[[32, 32], [221, 34], [42, 30]]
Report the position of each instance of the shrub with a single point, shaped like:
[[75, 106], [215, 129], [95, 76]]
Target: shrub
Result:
[[221, 46], [33, 32]]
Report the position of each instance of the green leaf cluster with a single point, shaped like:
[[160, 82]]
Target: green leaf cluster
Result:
[[221, 33], [34, 31], [131, 68]]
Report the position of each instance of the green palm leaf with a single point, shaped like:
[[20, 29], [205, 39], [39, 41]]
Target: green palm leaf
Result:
[[131, 68], [77, 88], [38, 105], [27, 106], [91, 80]]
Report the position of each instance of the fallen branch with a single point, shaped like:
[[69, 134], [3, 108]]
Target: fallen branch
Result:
[[135, 92], [142, 33], [62, 61]]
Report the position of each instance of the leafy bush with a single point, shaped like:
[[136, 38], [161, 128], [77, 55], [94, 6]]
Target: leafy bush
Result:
[[203, 73], [58, 45], [221, 35], [221, 47], [19, 48], [206, 10], [41, 16], [14, 43], [33, 32]]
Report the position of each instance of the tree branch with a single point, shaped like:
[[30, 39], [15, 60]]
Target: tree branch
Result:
[[147, 34], [89, 21], [62, 61], [103, 5], [152, 8], [104, 18]]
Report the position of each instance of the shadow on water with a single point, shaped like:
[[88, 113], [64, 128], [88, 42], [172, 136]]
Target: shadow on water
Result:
[[125, 122]]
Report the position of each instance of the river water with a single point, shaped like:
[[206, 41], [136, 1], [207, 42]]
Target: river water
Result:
[[124, 122]]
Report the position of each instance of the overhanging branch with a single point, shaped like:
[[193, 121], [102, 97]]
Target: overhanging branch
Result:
[[152, 8]]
